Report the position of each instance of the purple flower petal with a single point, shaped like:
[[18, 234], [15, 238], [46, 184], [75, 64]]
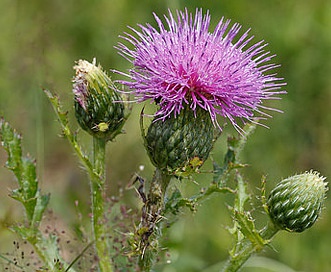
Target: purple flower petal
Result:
[[181, 62]]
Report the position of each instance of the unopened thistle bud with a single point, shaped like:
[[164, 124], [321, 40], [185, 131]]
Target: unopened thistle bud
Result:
[[296, 202], [98, 107], [182, 143]]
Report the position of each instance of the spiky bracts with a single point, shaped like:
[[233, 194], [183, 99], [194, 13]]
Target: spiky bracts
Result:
[[180, 144], [98, 107], [296, 202]]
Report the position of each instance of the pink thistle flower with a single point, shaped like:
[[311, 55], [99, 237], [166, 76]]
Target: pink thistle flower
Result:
[[182, 63]]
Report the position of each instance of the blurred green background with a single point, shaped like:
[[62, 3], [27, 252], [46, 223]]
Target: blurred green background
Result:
[[41, 39]]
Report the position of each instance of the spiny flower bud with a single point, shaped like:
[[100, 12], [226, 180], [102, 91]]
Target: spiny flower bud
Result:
[[98, 107], [296, 202], [182, 143]]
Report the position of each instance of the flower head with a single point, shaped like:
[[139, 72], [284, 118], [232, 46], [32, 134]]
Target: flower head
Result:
[[180, 145], [98, 108], [181, 62], [296, 202]]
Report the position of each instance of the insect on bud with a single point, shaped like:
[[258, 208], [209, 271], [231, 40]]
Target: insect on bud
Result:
[[98, 107], [296, 202], [180, 144]]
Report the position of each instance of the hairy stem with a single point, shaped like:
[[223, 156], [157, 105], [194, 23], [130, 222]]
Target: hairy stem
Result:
[[151, 220], [96, 171], [97, 194]]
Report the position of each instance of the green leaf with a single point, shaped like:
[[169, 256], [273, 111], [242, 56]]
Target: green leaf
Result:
[[29, 204], [248, 229], [24, 169], [29, 183], [29, 186], [62, 115], [26, 233], [176, 201], [72, 137], [242, 195], [41, 205], [11, 142]]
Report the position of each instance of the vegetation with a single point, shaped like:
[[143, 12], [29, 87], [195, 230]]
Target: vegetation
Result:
[[41, 40]]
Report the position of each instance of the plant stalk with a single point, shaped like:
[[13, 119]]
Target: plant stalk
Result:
[[237, 259], [151, 220], [97, 180]]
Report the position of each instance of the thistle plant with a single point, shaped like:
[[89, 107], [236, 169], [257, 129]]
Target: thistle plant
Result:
[[100, 111], [184, 68], [199, 80]]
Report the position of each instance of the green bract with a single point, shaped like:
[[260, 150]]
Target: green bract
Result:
[[98, 107], [296, 202], [181, 144]]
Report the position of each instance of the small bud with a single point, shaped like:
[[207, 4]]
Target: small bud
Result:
[[98, 107], [182, 143], [296, 202]]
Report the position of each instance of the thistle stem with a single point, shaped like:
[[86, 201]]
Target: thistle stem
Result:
[[97, 194], [244, 251], [151, 221]]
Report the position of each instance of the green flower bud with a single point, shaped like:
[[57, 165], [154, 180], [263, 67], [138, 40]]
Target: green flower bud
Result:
[[180, 144], [98, 107], [296, 202]]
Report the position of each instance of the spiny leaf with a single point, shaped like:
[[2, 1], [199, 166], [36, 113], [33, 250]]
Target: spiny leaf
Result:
[[41, 205], [24, 169], [242, 196], [11, 142], [247, 227], [29, 181], [176, 201], [72, 137], [62, 115], [212, 188]]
